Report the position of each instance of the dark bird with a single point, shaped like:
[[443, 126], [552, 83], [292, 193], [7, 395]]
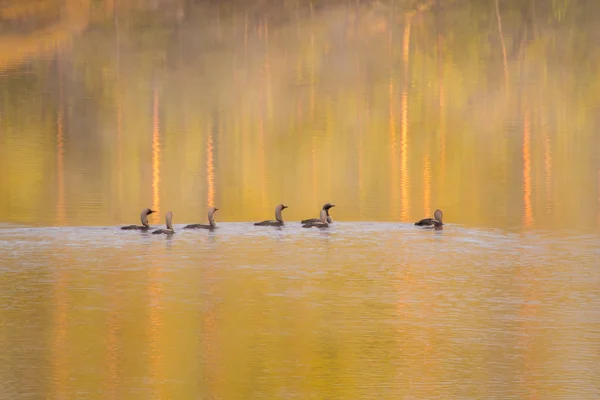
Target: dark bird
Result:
[[144, 218], [169, 230], [211, 221], [278, 218], [322, 222], [436, 221], [326, 208]]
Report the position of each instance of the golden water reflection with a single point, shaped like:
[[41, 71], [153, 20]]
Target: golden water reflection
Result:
[[341, 103], [249, 313], [388, 109]]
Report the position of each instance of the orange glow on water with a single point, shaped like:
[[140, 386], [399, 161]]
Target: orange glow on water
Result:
[[313, 163], [426, 186], [210, 168], [394, 195], [60, 154], [261, 149], [548, 171], [442, 103], [155, 152], [405, 183], [528, 216]]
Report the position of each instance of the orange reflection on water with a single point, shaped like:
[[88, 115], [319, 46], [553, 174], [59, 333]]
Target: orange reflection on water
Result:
[[210, 168], [442, 105], [393, 147], [261, 148], [405, 184], [155, 289], [313, 163], [60, 178], [392, 136], [426, 186], [312, 76], [155, 152], [548, 171], [528, 216]]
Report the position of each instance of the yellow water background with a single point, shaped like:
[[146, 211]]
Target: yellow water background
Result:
[[389, 109]]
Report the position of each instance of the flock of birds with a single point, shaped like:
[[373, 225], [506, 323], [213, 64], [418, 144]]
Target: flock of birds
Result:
[[322, 222]]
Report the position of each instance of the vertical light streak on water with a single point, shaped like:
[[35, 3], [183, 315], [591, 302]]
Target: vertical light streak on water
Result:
[[527, 211], [60, 152], [394, 192], [210, 166], [405, 183], [426, 186], [155, 151]]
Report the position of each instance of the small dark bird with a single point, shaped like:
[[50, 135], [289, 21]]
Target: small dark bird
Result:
[[326, 207], [169, 230], [278, 218], [321, 224], [144, 218], [436, 221], [211, 221]]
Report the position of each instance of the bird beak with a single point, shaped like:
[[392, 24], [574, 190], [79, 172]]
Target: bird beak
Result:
[[333, 205], [284, 207], [216, 209], [151, 211]]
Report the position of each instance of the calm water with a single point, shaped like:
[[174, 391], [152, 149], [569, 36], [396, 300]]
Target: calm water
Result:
[[364, 310], [485, 109]]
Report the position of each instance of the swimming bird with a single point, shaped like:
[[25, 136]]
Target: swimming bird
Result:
[[326, 207], [278, 218], [144, 219], [322, 221], [169, 230], [211, 221], [436, 221]]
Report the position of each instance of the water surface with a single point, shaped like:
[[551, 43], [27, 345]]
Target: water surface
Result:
[[485, 109], [366, 310]]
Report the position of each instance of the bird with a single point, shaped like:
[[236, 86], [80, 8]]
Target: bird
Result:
[[211, 221], [144, 218], [169, 230], [278, 218], [321, 224], [326, 207], [436, 221]]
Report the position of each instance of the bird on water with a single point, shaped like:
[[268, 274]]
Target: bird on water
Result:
[[436, 221], [144, 218], [169, 230], [325, 208], [278, 218], [322, 223], [211, 221]]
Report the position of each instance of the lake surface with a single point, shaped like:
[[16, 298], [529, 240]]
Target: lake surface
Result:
[[362, 310], [488, 110]]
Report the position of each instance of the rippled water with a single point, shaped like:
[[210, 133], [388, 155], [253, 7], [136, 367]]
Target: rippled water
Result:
[[362, 310], [485, 109]]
